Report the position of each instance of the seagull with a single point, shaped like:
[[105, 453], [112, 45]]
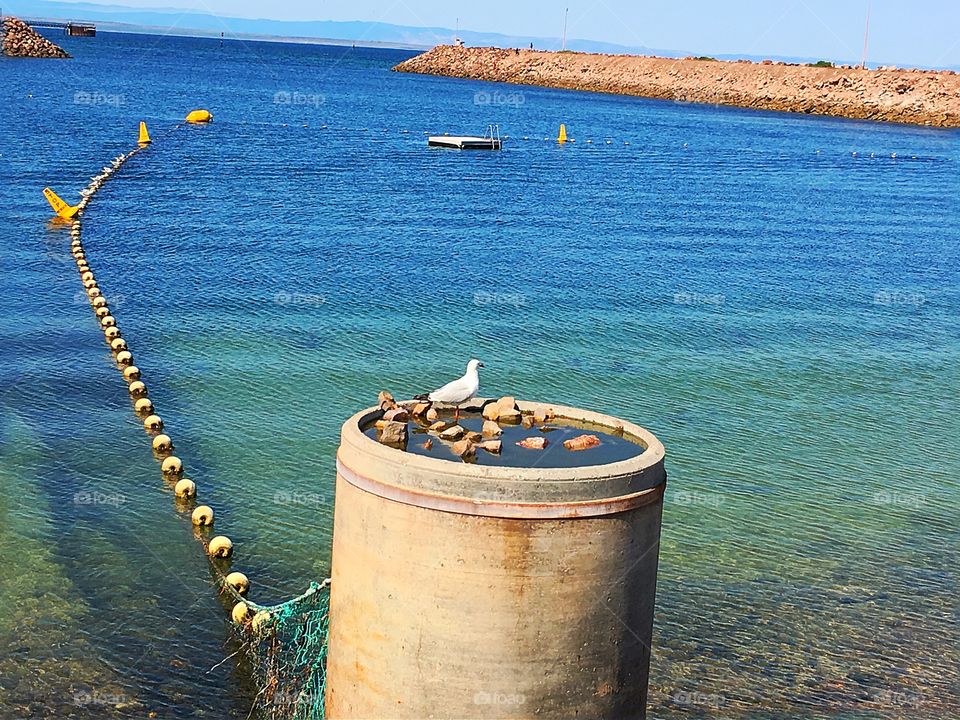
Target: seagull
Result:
[[458, 391]]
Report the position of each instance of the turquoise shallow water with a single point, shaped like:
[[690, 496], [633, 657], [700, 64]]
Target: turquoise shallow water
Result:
[[782, 313]]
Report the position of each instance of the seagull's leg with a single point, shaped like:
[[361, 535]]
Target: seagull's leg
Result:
[[456, 413]]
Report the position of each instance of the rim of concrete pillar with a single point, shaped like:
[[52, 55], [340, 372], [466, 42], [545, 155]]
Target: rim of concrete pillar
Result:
[[506, 491]]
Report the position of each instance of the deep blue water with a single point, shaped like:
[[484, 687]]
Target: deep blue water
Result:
[[776, 297]]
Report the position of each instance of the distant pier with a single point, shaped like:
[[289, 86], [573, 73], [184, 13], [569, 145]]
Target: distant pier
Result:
[[71, 28]]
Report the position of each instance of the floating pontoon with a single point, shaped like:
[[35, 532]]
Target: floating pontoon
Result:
[[490, 141]]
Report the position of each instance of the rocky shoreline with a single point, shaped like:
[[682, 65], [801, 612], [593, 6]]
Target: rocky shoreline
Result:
[[917, 97], [20, 40]]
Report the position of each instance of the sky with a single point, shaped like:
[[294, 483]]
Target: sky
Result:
[[907, 32]]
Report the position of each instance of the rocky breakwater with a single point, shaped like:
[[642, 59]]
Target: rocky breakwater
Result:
[[919, 97], [20, 40]]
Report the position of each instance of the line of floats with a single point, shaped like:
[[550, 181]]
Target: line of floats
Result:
[[220, 549]]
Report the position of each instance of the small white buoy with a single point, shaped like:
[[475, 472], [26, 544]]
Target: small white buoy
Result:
[[88, 284], [185, 488], [202, 516], [220, 547], [124, 358], [171, 466], [238, 581], [162, 443], [152, 423], [99, 302], [108, 321], [118, 344], [111, 333], [241, 613], [137, 389], [131, 373], [101, 312], [143, 406]]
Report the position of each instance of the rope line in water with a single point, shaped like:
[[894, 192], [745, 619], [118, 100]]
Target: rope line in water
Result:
[[287, 641]]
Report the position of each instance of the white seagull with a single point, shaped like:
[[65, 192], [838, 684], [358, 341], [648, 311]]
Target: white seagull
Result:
[[458, 391]]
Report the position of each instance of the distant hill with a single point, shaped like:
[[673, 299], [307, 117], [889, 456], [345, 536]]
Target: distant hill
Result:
[[188, 22]]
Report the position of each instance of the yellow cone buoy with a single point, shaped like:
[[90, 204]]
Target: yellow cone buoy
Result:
[[152, 423], [199, 116], [131, 373], [162, 443], [202, 516], [144, 138], [241, 613], [220, 547], [171, 466], [143, 406], [562, 137], [238, 581], [185, 488], [67, 212]]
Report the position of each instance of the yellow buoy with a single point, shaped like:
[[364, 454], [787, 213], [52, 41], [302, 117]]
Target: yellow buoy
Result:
[[143, 406], [562, 137], [220, 547], [202, 516], [162, 443], [99, 302], [118, 344], [185, 488], [124, 358], [238, 581], [137, 389], [131, 373], [199, 116], [89, 284], [261, 619], [101, 312], [93, 292], [108, 321], [111, 333], [67, 212], [86, 275], [241, 613], [152, 423], [171, 466], [144, 138]]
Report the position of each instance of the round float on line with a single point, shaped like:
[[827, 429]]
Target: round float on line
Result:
[[111, 333], [143, 406], [93, 293], [185, 488], [108, 321], [101, 312], [238, 581], [171, 466], [202, 516], [152, 423], [87, 275], [124, 358], [241, 613], [220, 547], [89, 284], [162, 443], [131, 373], [137, 389], [99, 302], [260, 620], [118, 344]]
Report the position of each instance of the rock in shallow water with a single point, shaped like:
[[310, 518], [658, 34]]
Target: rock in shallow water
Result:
[[533, 443], [582, 442]]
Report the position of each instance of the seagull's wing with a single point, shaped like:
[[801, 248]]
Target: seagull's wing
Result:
[[453, 392]]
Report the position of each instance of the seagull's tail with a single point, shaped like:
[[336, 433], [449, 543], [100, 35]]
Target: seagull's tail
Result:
[[422, 397]]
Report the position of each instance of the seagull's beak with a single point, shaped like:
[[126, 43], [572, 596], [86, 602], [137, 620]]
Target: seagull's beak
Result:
[[480, 365]]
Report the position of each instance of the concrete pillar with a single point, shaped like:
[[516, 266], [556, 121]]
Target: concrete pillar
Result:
[[468, 591]]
